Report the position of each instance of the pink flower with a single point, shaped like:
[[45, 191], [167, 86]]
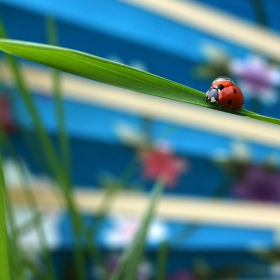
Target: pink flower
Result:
[[161, 162]]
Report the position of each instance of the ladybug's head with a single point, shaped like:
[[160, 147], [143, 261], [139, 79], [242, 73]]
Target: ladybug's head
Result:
[[212, 95]]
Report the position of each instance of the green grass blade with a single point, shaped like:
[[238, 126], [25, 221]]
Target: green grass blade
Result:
[[51, 157], [35, 222], [62, 134], [162, 261], [29, 103], [116, 74], [17, 254], [132, 256], [5, 273]]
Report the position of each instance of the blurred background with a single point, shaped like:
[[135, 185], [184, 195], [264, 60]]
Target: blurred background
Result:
[[219, 214]]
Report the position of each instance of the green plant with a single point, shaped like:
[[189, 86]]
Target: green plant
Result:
[[4, 244], [116, 74]]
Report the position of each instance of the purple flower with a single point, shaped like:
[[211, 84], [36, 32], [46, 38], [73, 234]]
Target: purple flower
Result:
[[256, 78], [259, 184], [144, 270]]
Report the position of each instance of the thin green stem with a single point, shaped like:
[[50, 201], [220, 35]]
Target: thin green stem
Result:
[[132, 256], [162, 259], [32, 204], [58, 98], [5, 273], [54, 163], [105, 207], [16, 254], [56, 168], [38, 225], [260, 12]]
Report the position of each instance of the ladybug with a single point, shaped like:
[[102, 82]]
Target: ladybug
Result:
[[226, 93]]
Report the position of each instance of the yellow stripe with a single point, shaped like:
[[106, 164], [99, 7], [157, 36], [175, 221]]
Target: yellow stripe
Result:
[[173, 208], [216, 23], [187, 115]]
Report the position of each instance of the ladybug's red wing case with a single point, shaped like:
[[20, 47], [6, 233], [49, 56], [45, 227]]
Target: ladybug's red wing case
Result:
[[223, 80], [231, 97], [224, 84]]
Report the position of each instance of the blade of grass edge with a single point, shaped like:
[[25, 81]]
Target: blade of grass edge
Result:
[[132, 256], [17, 255], [32, 205], [162, 260], [58, 98], [116, 74], [5, 272], [105, 206]]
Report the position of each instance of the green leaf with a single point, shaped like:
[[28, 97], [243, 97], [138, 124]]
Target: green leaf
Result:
[[132, 256], [116, 74]]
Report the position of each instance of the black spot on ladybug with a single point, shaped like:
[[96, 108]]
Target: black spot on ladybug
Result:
[[234, 90], [220, 86], [229, 102]]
